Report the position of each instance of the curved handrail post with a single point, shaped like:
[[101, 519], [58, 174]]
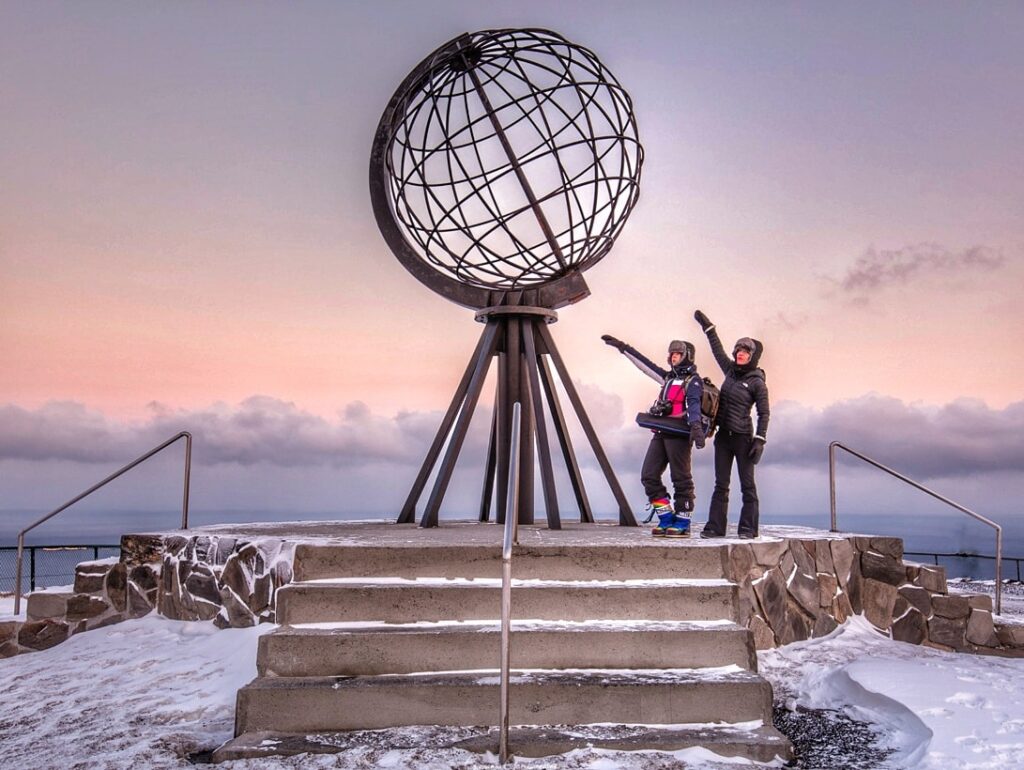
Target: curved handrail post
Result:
[[999, 530], [184, 503], [511, 535]]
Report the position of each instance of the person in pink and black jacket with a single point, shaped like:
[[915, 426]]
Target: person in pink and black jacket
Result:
[[680, 397]]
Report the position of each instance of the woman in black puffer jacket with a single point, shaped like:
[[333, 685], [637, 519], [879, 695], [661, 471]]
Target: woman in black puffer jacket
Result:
[[744, 388]]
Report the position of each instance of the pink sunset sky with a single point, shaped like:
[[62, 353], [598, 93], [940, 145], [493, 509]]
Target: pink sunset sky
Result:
[[186, 242]]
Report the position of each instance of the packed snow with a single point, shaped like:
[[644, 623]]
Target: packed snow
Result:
[[153, 692]]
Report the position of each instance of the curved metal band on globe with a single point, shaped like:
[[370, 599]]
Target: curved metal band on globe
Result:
[[425, 219]]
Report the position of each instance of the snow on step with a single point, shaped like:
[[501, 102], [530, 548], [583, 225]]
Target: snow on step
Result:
[[355, 649]]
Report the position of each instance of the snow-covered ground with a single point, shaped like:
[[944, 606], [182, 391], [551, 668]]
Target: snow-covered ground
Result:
[[148, 693]]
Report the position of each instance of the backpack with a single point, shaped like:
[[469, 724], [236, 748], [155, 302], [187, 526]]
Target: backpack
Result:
[[709, 405]]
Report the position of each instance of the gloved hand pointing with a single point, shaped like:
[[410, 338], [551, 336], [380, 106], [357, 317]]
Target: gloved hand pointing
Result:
[[703, 320], [755, 451], [615, 343]]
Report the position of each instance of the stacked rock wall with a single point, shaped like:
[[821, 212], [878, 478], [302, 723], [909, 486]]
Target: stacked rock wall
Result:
[[795, 589], [231, 582]]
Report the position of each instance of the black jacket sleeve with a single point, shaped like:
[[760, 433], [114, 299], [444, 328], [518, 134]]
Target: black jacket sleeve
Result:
[[719, 352], [761, 404]]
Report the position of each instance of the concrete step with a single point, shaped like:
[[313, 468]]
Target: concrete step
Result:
[[362, 649], [423, 599], [754, 740], [654, 559], [582, 696]]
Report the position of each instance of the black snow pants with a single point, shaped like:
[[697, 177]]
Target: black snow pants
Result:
[[729, 446], [673, 452]]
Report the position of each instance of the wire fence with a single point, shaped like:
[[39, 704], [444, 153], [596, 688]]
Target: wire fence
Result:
[[972, 565], [46, 566]]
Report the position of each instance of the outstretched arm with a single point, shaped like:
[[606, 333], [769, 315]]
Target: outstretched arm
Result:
[[716, 344], [640, 361], [761, 404]]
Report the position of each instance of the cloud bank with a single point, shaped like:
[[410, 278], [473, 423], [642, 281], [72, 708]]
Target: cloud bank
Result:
[[955, 440], [876, 269]]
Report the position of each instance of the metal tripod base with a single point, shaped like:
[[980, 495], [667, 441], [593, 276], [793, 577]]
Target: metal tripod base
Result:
[[518, 336]]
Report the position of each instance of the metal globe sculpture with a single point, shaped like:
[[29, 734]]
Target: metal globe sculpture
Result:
[[506, 164], [508, 159]]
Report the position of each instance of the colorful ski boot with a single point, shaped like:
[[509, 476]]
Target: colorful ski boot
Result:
[[661, 508], [678, 527]]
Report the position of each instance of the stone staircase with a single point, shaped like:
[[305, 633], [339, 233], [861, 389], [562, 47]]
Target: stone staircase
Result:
[[388, 637]]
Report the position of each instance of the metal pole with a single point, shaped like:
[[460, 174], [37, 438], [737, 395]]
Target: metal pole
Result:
[[32, 569], [999, 570], [832, 482], [511, 530], [188, 474]]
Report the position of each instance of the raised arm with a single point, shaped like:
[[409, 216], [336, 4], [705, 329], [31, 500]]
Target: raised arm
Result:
[[716, 344], [640, 361]]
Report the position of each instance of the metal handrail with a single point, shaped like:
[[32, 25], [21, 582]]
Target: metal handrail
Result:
[[184, 503], [832, 499], [511, 535]]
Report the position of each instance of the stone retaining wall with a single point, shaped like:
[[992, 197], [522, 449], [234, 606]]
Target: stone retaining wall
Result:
[[231, 582], [798, 589]]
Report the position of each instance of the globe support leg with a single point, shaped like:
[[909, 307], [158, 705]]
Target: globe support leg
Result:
[[626, 517], [492, 461], [562, 431], [547, 473]]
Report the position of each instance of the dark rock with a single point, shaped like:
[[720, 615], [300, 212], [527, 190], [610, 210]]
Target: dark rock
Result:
[[42, 634], [141, 549], [913, 570], [947, 631], [771, 593], [769, 553], [853, 586], [175, 544], [1010, 635], [787, 564], [764, 638], [980, 630], [9, 649], [202, 549], [804, 560], [901, 606], [918, 597], [827, 587], [138, 602], [206, 610], [980, 602], [221, 620], [797, 625], [224, 547], [107, 620], [878, 600], [144, 576], [889, 546], [741, 562], [237, 576], [843, 559], [282, 572], [932, 578], [841, 609], [911, 627], [42, 605], [824, 625], [89, 577], [238, 614], [804, 589], [85, 606], [250, 555], [9, 630], [861, 543], [203, 587], [952, 606], [747, 603], [117, 586], [882, 568], [823, 557]]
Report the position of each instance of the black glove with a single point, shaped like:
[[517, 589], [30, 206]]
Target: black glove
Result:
[[697, 434], [703, 320], [755, 451], [615, 343]]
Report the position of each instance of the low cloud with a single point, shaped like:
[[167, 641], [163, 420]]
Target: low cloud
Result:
[[258, 430], [877, 269], [956, 440]]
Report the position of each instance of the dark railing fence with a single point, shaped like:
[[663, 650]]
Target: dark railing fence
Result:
[[964, 564], [48, 565]]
